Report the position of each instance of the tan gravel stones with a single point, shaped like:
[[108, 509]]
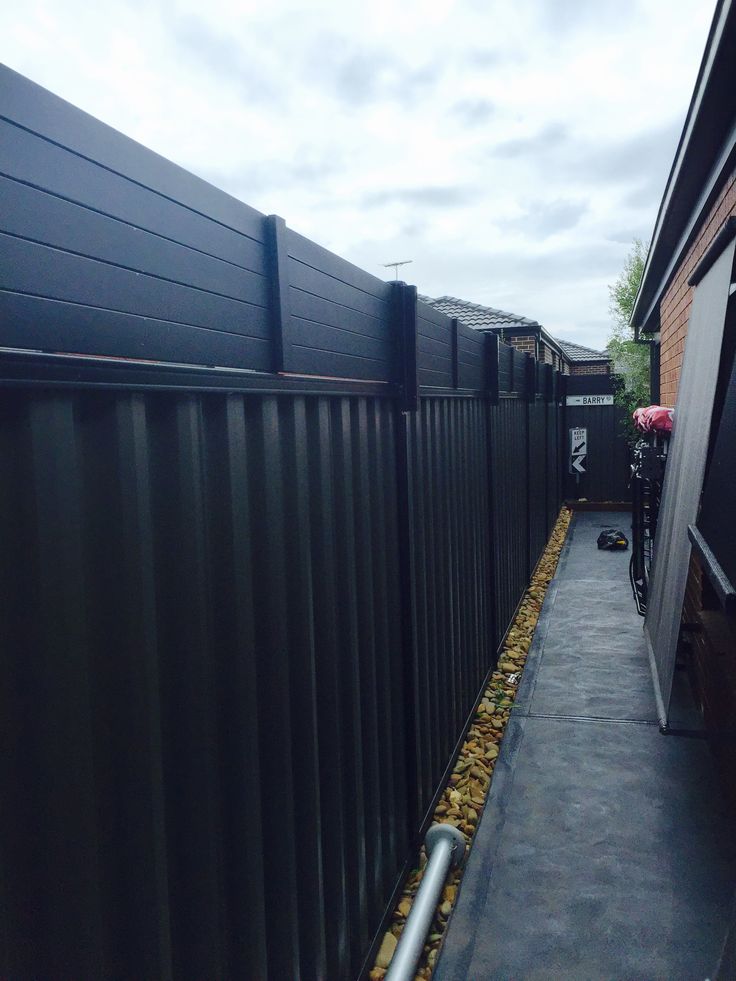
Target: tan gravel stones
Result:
[[461, 803]]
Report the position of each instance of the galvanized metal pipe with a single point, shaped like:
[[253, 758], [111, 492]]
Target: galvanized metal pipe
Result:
[[445, 847]]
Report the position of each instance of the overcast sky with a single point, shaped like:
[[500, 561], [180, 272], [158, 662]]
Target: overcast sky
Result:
[[511, 148]]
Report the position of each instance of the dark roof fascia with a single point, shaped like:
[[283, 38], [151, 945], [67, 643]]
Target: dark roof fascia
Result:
[[519, 330], [550, 341], [700, 167]]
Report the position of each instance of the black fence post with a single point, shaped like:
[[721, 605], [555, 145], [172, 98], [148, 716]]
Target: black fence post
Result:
[[278, 274], [491, 354], [455, 369], [405, 319], [530, 377]]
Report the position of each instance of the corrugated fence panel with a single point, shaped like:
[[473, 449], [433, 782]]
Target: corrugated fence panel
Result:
[[537, 483], [111, 249], [553, 450], [200, 678], [449, 454], [509, 481], [434, 347]]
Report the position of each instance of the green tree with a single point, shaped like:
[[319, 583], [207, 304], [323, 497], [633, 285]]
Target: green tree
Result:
[[630, 360]]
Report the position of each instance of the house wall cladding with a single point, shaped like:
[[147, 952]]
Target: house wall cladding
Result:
[[674, 309], [255, 576]]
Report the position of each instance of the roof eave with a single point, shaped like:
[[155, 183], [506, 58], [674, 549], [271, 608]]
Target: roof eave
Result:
[[697, 172]]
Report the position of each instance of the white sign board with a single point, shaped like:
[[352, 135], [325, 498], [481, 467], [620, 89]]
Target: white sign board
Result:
[[578, 450], [589, 400]]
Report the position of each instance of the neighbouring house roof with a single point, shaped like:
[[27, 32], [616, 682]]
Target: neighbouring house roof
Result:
[[476, 315], [490, 318], [705, 157], [578, 352]]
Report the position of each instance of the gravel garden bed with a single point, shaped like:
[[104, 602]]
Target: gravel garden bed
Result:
[[464, 796]]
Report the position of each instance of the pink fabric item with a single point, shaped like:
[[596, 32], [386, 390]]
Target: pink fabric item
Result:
[[653, 419]]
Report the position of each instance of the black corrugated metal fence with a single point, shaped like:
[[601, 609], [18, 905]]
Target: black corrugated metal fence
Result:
[[265, 520]]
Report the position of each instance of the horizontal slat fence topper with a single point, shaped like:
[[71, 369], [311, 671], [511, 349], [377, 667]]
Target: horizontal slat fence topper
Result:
[[434, 347], [472, 366], [266, 521], [520, 373]]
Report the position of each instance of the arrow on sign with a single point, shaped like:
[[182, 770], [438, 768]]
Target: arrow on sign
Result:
[[579, 447], [577, 463]]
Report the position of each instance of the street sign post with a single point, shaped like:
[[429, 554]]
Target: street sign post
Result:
[[578, 451]]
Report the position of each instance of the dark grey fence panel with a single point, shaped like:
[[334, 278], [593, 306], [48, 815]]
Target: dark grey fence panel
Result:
[[471, 361], [553, 473], [537, 481], [449, 465], [434, 347], [200, 669], [505, 368], [510, 489], [105, 244], [341, 317], [519, 379]]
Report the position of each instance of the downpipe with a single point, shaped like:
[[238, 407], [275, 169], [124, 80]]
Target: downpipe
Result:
[[445, 847]]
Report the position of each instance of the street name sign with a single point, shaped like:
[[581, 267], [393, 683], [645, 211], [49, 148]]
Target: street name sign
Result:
[[589, 400]]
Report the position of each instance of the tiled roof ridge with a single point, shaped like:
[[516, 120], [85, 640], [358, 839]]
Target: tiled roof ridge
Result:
[[480, 308], [572, 347]]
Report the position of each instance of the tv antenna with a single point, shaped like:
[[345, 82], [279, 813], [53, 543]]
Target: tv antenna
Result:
[[395, 265]]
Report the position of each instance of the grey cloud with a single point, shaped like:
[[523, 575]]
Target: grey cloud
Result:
[[473, 112], [545, 218], [428, 197], [570, 16], [413, 229], [485, 57], [222, 56], [644, 156], [359, 76], [549, 138]]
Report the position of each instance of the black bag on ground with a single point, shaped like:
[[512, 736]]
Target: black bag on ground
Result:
[[612, 540]]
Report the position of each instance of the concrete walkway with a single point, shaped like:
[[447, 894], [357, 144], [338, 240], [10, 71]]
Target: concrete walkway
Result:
[[603, 851]]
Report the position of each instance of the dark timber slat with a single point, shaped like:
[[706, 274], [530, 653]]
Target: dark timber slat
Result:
[[317, 257], [42, 324], [438, 332], [433, 316], [319, 283], [335, 340], [42, 271], [321, 310], [334, 365], [43, 218]]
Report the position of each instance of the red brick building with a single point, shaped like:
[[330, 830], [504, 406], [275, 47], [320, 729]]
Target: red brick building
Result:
[[693, 236], [525, 335]]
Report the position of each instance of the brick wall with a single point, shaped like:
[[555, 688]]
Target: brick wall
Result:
[[674, 309], [590, 369], [523, 343], [546, 353]]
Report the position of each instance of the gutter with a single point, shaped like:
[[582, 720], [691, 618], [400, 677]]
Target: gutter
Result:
[[640, 317]]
